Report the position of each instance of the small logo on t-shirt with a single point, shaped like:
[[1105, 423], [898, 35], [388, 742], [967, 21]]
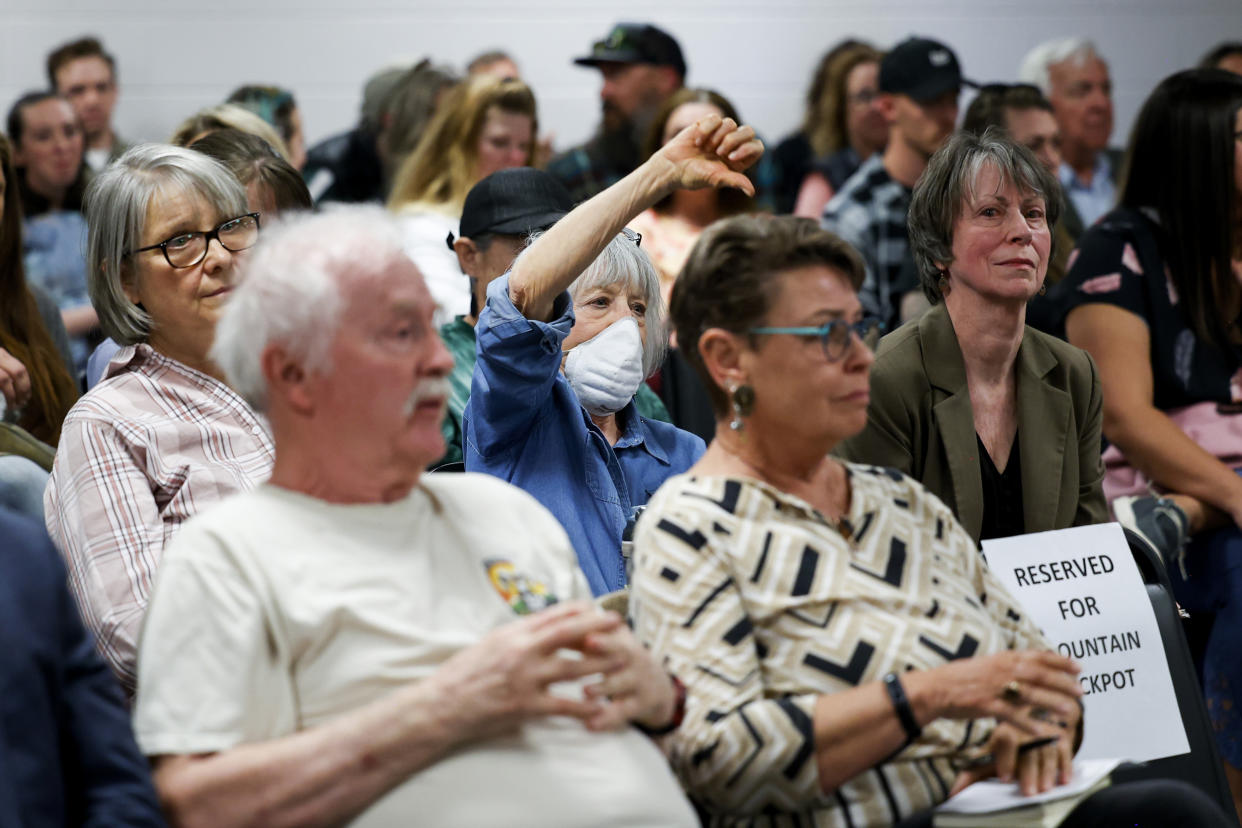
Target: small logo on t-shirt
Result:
[[521, 593]]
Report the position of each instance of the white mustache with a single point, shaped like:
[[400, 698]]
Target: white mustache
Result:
[[427, 389]]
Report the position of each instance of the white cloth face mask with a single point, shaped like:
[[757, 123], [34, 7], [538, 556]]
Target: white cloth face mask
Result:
[[606, 370]]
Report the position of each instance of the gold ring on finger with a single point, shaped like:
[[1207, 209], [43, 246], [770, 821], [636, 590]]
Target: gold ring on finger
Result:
[[1012, 692]]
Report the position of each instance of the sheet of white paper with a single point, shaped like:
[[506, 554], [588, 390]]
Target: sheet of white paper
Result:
[[991, 796], [1085, 592]]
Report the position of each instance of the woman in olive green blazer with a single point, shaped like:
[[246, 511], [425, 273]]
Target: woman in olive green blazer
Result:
[[967, 390], [920, 421]]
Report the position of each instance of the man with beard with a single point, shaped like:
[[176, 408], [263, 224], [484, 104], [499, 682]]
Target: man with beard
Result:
[[920, 81], [1075, 78], [641, 65]]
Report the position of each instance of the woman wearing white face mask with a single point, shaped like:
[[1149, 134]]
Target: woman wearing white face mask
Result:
[[566, 339]]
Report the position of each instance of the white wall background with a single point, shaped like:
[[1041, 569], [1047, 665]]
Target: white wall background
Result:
[[176, 56]]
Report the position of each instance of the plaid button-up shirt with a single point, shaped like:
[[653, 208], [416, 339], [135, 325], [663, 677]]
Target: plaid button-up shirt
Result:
[[870, 212], [153, 444]]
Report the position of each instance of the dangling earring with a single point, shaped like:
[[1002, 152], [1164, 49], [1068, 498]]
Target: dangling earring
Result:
[[743, 399], [943, 285], [1043, 288]]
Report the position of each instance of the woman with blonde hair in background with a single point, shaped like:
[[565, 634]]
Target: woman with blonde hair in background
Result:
[[485, 124]]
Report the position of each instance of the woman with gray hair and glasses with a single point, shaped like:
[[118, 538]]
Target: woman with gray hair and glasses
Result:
[[162, 435], [967, 399]]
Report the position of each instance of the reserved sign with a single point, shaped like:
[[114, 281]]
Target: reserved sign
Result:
[[1084, 590]]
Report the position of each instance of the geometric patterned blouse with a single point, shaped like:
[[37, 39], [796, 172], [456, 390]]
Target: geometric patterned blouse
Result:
[[759, 604]]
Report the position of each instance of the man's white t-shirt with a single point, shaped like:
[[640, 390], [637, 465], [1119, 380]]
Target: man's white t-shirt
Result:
[[275, 612]]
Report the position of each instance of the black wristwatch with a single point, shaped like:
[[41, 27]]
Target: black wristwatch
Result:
[[679, 711], [905, 713]]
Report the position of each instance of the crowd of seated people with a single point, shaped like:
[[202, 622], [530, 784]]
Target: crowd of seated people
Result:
[[336, 481]]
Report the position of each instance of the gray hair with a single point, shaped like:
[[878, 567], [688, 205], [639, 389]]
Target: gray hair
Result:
[[294, 286], [949, 182], [1038, 61], [625, 262], [116, 207]]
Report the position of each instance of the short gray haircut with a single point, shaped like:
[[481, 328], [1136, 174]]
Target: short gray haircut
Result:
[[116, 207], [624, 261], [1035, 66], [294, 286], [949, 182]]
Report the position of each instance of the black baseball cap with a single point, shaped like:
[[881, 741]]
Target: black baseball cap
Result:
[[921, 68], [636, 43], [513, 202]]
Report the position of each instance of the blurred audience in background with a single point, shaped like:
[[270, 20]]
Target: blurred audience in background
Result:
[[672, 225], [407, 112], [485, 124], [640, 65], [51, 177], [848, 127], [920, 82], [1071, 73], [1227, 56], [226, 116], [347, 166], [792, 157], [277, 107], [85, 75], [36, 381], [272, 184], [494, 62]]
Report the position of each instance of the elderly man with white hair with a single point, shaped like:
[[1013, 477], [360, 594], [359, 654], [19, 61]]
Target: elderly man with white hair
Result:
[[1075, 79], [356, 641]]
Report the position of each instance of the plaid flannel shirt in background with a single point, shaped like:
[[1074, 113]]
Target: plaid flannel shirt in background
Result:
[[870, 212]]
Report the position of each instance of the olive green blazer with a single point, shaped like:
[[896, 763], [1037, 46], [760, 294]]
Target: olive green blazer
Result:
[[920, 421]]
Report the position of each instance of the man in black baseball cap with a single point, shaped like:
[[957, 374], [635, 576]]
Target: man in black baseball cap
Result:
[[920, 82], [499, 215], [641, 66]]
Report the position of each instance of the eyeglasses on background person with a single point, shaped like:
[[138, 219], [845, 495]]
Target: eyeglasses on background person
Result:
[[188, 249]]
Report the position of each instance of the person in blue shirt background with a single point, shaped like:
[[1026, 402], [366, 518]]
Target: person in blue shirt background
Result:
[[564, 342]]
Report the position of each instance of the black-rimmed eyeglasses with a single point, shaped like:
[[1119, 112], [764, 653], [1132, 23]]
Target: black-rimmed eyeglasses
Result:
[[188, 249], [836, 336]]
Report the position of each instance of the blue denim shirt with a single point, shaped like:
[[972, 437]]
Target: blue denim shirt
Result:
[[524, 424]]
